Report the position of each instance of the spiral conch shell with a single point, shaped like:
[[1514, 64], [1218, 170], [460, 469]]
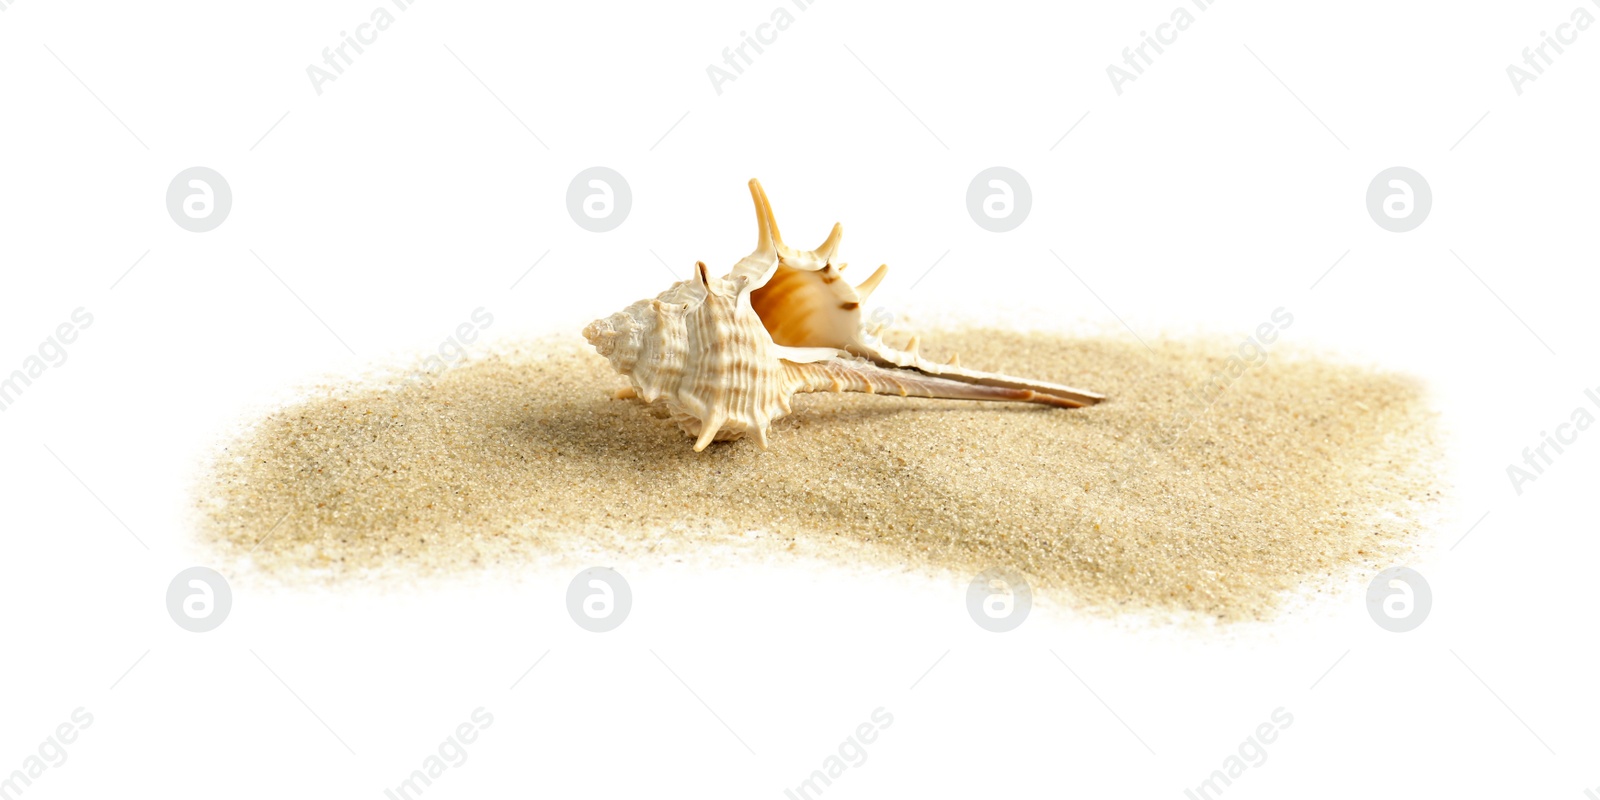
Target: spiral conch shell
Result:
[[726, 354]]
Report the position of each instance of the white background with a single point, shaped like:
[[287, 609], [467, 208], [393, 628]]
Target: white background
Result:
[[414, 189]]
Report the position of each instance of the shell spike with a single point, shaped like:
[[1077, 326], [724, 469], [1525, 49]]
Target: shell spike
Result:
[[806, 259], [768, 221], [708, 430], [764, 231], [826, 250], [871, 283], [764, 259]]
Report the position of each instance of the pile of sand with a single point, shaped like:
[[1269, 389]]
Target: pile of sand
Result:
[[1189, 490]]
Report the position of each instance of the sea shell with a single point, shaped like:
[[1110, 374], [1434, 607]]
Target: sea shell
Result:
[[726, 354]]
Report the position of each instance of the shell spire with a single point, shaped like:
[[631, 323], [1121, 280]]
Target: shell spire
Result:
[[726, 354]]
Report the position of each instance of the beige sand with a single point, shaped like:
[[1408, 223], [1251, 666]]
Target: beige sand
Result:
[[1220, 502]]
